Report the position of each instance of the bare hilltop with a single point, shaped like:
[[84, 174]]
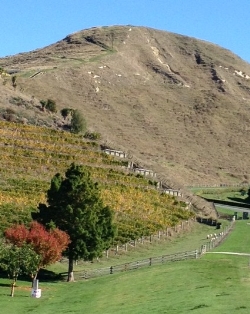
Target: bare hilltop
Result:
[[181, 106]]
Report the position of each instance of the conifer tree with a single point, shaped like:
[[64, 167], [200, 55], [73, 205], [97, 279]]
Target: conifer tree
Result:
[[74, 206]]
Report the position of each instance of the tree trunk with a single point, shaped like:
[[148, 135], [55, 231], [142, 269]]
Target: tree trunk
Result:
[[33, 278], [70, 270], [13, 287]]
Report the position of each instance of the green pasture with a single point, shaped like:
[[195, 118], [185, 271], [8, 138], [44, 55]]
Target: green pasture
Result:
[[227, 212], [215, 283], [184, 241], [232, 194]]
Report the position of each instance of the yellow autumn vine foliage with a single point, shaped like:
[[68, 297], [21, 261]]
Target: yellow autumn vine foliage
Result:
[[30, 156]]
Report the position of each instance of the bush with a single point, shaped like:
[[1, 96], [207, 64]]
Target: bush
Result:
[[49, 104], [78, 123], [65, 112], [92, 135]]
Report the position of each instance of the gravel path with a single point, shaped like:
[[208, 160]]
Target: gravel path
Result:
[[230, 253]]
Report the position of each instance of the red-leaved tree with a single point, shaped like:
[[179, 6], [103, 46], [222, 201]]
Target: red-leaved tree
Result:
[[49, 245]]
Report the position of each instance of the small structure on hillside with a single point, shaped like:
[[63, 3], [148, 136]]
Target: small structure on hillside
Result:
[[172, 192], [113, 152], [144, 172]]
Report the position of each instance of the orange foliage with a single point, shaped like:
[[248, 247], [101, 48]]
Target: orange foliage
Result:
[[48, 244]]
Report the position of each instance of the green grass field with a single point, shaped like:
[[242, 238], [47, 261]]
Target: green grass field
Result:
[[215, 283], [232, 194]]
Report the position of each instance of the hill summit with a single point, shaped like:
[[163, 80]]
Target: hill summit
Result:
[[179, 105]]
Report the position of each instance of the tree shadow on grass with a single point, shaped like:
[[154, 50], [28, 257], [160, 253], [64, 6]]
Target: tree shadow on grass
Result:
[[45, 275], [5, 284], [240, 200]]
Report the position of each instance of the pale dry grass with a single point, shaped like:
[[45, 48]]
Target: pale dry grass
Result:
[[157, 94]]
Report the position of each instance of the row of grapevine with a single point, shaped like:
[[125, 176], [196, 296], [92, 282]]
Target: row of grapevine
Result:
[[31, 156]]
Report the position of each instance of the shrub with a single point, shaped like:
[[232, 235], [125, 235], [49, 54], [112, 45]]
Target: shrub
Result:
[[49, 104], [65, 112], [78, 123], [92, 135]]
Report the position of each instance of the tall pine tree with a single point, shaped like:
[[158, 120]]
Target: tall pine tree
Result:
[[75, 206]]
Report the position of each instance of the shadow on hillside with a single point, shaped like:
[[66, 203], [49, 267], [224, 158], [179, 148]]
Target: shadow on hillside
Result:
[[44, 275], [240, 200]]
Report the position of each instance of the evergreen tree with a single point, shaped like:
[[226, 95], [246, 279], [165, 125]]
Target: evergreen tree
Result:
[[75, 206]]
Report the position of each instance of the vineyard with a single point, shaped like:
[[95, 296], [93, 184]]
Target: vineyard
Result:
[[31, 156]]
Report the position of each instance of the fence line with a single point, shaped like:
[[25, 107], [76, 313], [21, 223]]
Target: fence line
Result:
[[180, 256], [162, 234], [216, 239], [219, 185], [138, 264]]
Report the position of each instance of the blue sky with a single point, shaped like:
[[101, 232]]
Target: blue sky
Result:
[[30, 24]]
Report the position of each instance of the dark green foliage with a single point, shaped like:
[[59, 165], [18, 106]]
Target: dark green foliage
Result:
[[43, 103], [13, 79], [65, 112], [75, 206], [49, 104], [78, 123], [151, 182]]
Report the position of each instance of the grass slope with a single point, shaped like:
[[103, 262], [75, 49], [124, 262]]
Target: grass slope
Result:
[[216, 283]]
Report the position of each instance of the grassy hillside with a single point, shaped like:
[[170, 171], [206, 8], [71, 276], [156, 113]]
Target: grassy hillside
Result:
[[179, 104], [214, 283]]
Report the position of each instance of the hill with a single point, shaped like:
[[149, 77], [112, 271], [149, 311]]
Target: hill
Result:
[[178, 104], [32, 155]]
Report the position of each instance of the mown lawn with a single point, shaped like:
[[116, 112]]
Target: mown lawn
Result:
[[215, 283]]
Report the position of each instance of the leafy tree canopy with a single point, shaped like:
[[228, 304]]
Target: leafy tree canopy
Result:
[[18, 260], [47, 244], [75, 206]]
